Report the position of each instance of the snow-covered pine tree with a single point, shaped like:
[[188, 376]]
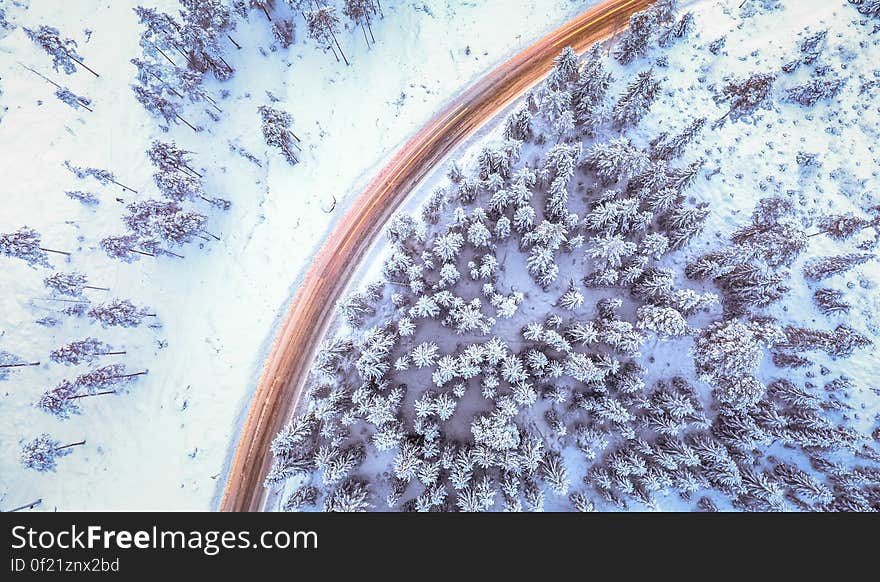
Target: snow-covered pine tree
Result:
[[565, 69], [679, 29], [24, 244], [105, 377], [84, 350], [323, 24], [591, 85], [167, 157], [9, 361], [71, 284], [61, 401], [682, 224], [277, 133], [555, 474], [830, 301], [86, 198], [42, 452], [664, 321], [305, 496], [665, 147], [119, 312], [158, 105], [518, 125], [168, 221], [62, 50], [161, 35], [745, 96], [205, 24], [351, 495], [810, 49], [727, 355], [815, 90], [636, 100], [361, 13], [123, 248], [615, 159], [844, 226], [819, 268], [634, 42]]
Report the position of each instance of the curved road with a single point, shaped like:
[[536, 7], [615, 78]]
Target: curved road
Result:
[[312, 309]]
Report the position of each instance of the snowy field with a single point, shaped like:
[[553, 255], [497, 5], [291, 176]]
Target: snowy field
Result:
[[474, 370], [162, 444]]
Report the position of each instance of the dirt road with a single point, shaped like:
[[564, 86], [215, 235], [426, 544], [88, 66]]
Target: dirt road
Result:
[[312, 309]]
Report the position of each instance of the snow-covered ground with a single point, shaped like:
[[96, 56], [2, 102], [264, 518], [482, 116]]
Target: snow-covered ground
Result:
[[163, 444], [759, 156]]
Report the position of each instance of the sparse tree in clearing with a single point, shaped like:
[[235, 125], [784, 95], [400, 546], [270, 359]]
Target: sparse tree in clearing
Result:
[[572, 299], [41, 453], [9, 361], [283, 31], [636, 100], [815, 90], [63, 52], [24, 244], [810, 49], [103, 176], [71, 284], [264, 5], [123, 248], [323, 24], [680, 29], [158, 105], [84, 350], [843, 226], [60, 401], [830, 301], [745, 96], [119, 312], [276, 131], [634, 43], [105, 377], [664, 147], [819, 268], [86, 198], [67, 96], [360, 12]]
